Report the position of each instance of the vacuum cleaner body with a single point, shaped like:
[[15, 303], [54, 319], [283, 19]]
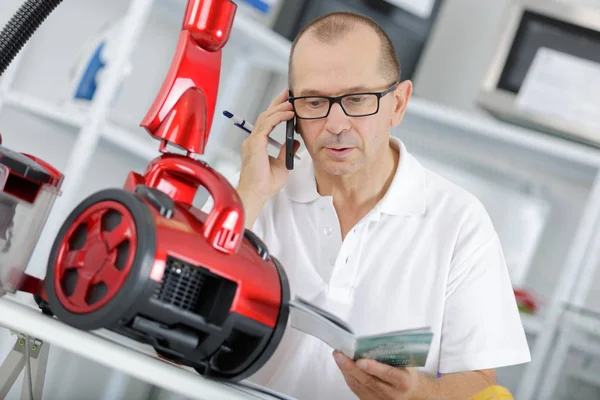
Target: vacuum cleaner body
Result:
[[142, 261], [142, 265]]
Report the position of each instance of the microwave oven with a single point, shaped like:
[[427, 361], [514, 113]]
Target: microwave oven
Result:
[[545, 73]]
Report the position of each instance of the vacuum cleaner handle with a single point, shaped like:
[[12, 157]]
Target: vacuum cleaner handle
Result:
[[224, 226], [210, 22]]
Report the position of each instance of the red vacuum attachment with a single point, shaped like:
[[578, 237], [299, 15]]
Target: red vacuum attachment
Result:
[[143, 262]]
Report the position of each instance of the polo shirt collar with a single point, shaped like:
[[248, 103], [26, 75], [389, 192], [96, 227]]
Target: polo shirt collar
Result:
[[405, 196]]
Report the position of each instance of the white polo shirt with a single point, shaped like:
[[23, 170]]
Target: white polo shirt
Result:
[[426, 255]]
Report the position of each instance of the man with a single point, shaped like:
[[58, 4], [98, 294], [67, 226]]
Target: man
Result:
[[367, 233]]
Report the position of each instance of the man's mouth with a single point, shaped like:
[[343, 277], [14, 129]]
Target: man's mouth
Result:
[[338, 151]]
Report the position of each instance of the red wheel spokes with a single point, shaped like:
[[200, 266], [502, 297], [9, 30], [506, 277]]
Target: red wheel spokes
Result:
[[84, 282], [96, 261], [108, 274], [75, 259], [118, 235], [94, 226]]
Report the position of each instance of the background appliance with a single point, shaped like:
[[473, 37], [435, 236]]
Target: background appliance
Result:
[[548, 52], [86, 72]]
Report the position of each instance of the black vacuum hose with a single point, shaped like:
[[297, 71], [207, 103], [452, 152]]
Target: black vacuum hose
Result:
[[20, 28]]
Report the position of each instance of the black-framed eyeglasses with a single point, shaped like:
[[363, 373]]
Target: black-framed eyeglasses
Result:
[[354, 104]]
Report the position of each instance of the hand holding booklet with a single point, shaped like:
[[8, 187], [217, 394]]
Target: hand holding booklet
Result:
[[407, 348]]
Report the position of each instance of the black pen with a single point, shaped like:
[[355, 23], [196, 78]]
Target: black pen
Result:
[[248, 128]]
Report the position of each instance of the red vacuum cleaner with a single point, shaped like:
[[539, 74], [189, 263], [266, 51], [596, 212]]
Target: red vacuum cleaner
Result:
[[142, 261]]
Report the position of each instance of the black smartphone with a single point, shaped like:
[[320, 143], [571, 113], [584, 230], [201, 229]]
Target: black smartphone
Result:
[[290, 128]]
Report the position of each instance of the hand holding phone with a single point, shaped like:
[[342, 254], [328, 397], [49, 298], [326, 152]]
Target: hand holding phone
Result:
[[263, 175]]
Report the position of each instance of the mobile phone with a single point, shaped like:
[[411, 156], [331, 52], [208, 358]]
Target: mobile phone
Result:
[[290, 128]]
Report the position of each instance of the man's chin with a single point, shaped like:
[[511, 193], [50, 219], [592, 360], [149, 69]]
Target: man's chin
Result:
[[338, 168]]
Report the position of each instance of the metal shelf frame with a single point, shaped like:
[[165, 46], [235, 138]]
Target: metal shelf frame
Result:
[[265, 49]]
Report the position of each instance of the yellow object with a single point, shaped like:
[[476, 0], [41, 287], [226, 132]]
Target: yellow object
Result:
[[493, 393]]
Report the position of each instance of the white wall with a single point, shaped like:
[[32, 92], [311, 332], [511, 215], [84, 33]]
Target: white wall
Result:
[[459, 47]]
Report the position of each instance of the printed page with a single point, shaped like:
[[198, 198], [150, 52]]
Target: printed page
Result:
[[424, 329], [400, 349], [322, 325], [562, 85]]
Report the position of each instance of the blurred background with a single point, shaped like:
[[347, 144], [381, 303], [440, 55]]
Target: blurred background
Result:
[[506, 104]]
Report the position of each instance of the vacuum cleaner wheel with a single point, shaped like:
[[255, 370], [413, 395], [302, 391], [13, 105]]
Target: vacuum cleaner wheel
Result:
[[101, 260]]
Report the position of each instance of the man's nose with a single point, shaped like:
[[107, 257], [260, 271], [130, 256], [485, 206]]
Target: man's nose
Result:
[[337, 121]]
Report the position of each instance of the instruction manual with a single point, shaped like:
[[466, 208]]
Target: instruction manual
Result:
[[407, 348]]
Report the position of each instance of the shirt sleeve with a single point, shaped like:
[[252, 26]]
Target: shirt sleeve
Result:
[[482, 328]]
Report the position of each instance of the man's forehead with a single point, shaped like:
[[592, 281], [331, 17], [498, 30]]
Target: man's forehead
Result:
[[359, 40], [343, 66]]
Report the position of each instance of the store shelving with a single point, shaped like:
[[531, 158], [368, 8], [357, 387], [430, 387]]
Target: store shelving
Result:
[[532, 324], [75, 117], [452, 121]]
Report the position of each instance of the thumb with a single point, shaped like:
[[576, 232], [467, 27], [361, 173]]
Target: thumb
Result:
[[281, 155]]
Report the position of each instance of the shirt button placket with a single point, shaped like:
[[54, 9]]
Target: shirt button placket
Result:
[[328, 246], [343, 276]]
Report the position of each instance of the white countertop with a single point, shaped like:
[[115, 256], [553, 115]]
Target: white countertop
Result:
[[122, 354]]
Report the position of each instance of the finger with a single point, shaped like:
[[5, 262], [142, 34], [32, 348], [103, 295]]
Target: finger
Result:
[[393, 376], [272, 109], [367, 386], [281, 97], [285, 106], [361, 391], [354, 374], [265, 126], [281, 154], [282, 150]]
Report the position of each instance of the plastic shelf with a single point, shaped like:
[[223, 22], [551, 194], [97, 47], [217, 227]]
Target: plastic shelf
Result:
[[42, 108], [449, 119], [124, 355], [582, 320], [532, 324], [585, 376], [72, 116]]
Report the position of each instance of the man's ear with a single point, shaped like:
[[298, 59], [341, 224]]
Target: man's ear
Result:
[[401, 97]]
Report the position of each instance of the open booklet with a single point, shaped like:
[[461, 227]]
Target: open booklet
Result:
[[407, 348]]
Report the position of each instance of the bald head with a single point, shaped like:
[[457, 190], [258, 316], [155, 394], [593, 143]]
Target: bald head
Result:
[[334, 27]]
